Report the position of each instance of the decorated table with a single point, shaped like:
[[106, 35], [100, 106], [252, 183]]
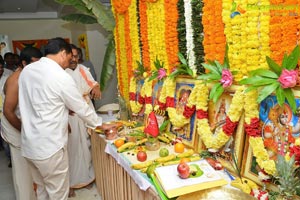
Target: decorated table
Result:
[[114, 178]]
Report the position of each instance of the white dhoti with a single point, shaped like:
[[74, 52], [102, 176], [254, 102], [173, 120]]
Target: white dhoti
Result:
[[23, 183], [80, 158]]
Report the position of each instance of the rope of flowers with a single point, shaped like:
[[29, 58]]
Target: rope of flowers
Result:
[[213, 28], [144, 33], [128, 44], [121, 6], [156, 32], [171, 16], [133, 38], [252, 129], [189, 35], [219, 139], [181, 29]]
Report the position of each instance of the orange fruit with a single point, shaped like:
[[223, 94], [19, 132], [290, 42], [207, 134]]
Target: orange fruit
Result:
[[182, 160], [179, 147], [119, 142]]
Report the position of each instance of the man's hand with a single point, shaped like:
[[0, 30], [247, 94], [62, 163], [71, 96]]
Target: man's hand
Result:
[[95, 92]]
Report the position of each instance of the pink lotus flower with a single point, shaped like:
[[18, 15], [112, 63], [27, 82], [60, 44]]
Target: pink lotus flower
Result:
[[288, 78], [161, 73], [227, 78]]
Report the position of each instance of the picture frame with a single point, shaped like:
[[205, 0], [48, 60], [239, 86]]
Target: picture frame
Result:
[[216, 117], [275, 121], [139, 117], [184, 87], [160, 114]]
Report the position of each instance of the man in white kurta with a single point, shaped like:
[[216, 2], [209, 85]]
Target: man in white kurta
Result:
[[79, 145], [46, 94]]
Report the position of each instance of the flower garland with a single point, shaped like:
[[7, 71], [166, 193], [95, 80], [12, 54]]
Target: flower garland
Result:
[[156, 32], [189, 35], [134, 37], [144, 33], [217, 140], [121, 6], [146, 94], [252, 129], [181, 29], [213, 28], [171, 35], [197, 34]]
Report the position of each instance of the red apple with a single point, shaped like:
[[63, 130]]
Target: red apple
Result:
[[183, 170], [141, 156]]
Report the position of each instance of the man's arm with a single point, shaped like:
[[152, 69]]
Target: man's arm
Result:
[[11, 102]]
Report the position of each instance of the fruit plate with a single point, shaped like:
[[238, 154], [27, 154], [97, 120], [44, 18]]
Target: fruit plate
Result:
[[118, 125]]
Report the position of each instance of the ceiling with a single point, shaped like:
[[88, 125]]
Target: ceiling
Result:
[[34, 9]]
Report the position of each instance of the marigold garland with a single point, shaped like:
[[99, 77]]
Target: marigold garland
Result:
[[144, 33], [253, 131], [219, 139], [171, 15], [121, 6]]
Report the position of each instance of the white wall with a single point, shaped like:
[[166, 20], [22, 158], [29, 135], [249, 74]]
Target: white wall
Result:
[[46, 29]]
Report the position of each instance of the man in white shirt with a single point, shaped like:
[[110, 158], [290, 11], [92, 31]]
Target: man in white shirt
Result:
[[79, 145], [46, 94], [11, 128]]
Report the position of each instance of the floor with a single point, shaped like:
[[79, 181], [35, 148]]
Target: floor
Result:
[[7, 190]]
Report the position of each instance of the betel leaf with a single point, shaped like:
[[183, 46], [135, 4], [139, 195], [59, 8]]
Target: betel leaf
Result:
[[264, 73], [274, 66], [280, 95], [211, 68], [266, 91], [292, 59], [288, 93]]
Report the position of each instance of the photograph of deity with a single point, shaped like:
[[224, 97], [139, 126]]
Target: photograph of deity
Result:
[[140, 116], [280, 127], [217, 113], [4, 45], [183, 90], [160, 114]]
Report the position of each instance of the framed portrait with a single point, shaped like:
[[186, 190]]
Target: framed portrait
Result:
[[160, 114], [4, 45], [217, 113], [279, 128], [184, 87]]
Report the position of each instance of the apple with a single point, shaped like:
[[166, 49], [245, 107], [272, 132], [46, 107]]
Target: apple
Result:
[[183, 170], [141, 156]]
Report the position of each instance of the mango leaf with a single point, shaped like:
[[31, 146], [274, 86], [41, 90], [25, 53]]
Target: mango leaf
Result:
[[292, 59], [211, 68], [80, 18], [280, 96], [219, 67], [264, 73], [190, 72], [218, 93], [284, 61], [288, 93], [153, 76], [108, 64], [182, 59], [213, 90], [209, 76], [251, 80], [226, 59], [265, 81], [274, 66], [266, 91], [250, 88]]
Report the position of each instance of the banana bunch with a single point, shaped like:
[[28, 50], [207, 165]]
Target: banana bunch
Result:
[[185, 154], [246, 185], [160, 112], [165, 159], [142, 165]]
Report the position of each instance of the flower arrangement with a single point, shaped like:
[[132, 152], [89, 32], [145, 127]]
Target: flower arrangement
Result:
[[279, 79]]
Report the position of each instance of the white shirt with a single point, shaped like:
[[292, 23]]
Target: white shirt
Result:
[[46, 93]]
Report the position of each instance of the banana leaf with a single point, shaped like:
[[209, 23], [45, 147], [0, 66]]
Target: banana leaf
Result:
[[103, 14], [289, 95], [78, 4], [80, 18], [266, 91], [274, 66], [108, 64]]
